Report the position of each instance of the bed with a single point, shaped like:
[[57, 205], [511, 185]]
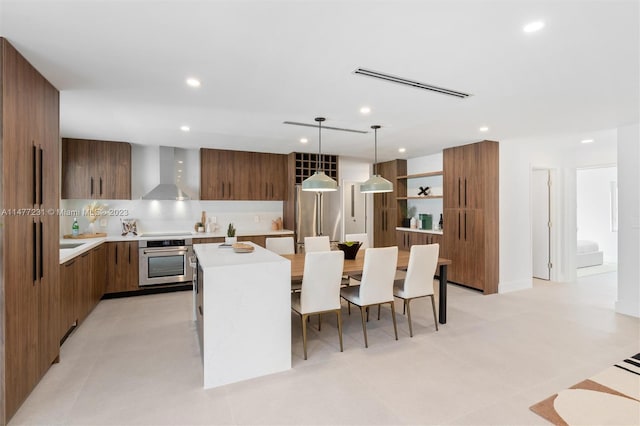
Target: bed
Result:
[[588, 254]]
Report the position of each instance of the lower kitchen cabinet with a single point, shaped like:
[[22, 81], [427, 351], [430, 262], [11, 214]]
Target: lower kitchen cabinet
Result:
[[68, 278], [122, 266], [406, 239]]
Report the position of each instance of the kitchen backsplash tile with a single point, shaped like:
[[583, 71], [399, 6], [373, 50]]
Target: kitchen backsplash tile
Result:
[[154, 216]]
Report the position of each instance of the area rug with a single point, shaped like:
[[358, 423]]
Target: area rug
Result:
[[611, 397]]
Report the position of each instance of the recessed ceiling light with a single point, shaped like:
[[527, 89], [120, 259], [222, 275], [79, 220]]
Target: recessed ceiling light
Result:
[[304, 140], [185, 128], [179, 170], [365, 110], [484, 129], [402, 150], [180, 161], [532, 27], [193, 82], [586, 141]]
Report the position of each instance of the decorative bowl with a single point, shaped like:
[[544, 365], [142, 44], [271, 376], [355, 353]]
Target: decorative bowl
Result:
[[350, 248], [242, 248]]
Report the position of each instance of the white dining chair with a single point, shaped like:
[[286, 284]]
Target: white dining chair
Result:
[[280, 245], [376, 287], [423, 261], [363, 238], [320, 291], [320, 243]]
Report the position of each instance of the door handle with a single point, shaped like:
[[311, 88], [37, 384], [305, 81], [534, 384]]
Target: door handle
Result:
[[458, 225], [35, 177], [459, 188], [92, 186], [40, 170], [353, 207], [35, 252], [41, 251], [465, 192], [465, 226]]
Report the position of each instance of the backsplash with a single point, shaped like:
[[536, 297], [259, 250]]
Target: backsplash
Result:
[[173, 216]]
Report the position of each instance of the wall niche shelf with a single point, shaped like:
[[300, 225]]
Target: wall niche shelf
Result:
[[427, 197], [419, 175]]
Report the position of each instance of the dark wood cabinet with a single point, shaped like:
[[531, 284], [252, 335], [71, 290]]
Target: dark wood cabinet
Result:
[[387, 214], [68, 277], [122, 266], [241, 175], [99, 273], [471, 214], [96, 170], [29, 305], [406, 239]]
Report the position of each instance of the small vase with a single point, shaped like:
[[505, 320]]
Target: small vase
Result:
[[230, 240]]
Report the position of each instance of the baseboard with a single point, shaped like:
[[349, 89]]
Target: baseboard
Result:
[[514, 285], [626, 308]]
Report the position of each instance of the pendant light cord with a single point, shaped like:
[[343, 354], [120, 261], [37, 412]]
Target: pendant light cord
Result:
[[319, 145], [375, 151]]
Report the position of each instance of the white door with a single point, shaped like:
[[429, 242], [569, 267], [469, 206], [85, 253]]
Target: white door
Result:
[[354, 204], [540, 224]]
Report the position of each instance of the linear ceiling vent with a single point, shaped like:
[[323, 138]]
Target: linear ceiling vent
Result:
[[410, 83], [297, 123]]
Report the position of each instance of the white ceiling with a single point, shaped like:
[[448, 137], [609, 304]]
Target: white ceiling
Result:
[[121, 68]]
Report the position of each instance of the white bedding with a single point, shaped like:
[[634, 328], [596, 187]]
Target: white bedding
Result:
[[588, 254]]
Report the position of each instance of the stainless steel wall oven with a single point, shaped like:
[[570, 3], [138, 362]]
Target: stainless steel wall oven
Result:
[[165, 261]]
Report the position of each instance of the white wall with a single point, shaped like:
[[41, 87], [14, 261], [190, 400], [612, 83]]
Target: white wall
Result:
[[629, 220], [562, 154], [593, 187], [357, 170]]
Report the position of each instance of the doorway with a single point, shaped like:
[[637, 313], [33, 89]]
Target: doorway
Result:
[[541, 223], [354, 205]]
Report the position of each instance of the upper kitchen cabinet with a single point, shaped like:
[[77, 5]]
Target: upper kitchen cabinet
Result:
[[29, 285], [471, 214], [96, 169], [240, 175]]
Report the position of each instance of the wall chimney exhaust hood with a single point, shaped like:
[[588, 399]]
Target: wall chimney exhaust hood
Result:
[[170, 173]]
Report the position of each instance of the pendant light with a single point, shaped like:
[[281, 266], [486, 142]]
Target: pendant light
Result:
[[319, 182], [376, 183]]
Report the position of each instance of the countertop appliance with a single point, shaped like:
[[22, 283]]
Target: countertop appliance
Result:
[[165, 261], [317, 213]]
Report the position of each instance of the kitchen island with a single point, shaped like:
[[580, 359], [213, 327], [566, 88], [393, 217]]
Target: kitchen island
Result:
[[243, 304]]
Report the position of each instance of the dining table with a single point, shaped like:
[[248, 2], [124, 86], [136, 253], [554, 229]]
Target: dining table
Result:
[[356, 266]]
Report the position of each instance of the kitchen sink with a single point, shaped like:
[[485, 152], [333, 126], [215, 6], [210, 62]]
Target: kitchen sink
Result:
[[70, 245]]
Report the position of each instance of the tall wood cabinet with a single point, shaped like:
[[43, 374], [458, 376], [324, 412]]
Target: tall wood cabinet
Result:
[[29, 290], [96, 170], [470, 211], [386, 213], [242, 175]]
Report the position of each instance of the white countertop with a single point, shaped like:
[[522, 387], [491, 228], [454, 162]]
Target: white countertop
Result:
[[89, 243], [424, 231], [212, 255]]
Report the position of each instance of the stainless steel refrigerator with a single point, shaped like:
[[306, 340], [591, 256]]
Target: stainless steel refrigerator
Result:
[[317, 213]]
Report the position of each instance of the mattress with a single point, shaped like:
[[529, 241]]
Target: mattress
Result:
[[587, 254]]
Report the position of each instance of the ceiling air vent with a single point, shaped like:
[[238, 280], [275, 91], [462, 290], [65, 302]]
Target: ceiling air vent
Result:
[[342, 129], [410, 83]]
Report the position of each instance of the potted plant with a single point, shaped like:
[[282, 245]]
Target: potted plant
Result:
[[408, 214], [231, 235], [350, 248]]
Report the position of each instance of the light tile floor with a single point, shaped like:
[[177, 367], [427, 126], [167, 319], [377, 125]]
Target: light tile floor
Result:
[[136, 361]]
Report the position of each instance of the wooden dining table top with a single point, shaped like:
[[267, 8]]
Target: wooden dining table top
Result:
[[351, 266]]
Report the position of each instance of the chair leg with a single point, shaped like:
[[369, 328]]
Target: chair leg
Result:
[[367, 308], [404, 306], [378, 312], [408, 303], [349, 307], [364, 328], [304, 334], [433, 305], [393, 316], [339, 327], [319, 322]]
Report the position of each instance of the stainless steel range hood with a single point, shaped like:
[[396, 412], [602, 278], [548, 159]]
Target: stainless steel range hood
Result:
[[168, 188]]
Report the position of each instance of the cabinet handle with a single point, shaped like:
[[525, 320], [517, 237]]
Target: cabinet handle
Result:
[[92, 186], [100, 186], [271, 190], [40, 169], [35, 251], [116, 255], [229, 189], [458, 225], [222, 189], [465, 226], [35, 177], [41, 251], [129, 252], [459, 188], [66, 265], [266, 189], [465, 192]]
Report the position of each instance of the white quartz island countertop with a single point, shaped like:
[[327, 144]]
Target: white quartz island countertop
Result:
[[243, 311]]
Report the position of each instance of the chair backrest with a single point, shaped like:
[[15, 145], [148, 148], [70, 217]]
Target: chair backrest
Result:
[[321, 281], [363, 238], [423, 261], [379, 271], [280, 245], [312, 244]]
